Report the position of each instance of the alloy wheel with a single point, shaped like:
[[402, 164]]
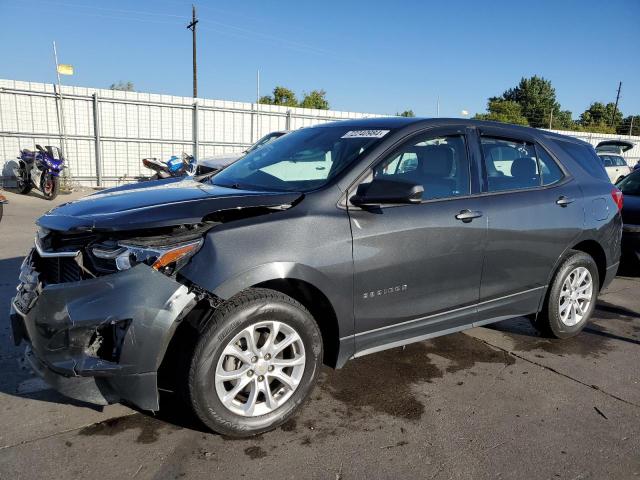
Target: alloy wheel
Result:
[[260, 368], [575, 296]]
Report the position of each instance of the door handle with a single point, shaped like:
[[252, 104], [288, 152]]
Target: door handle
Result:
[[467, 215], [564, 201]]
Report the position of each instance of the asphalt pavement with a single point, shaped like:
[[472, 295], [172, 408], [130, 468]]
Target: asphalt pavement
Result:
[[496, 402]]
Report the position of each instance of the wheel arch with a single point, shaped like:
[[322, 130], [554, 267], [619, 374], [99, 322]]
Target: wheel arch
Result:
[[594, 250], [308, 286], [331, 307], [321, 309], [589, 246]]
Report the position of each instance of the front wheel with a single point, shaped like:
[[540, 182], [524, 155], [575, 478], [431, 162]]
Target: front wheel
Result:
[[24, 185], [50, 186], [571, 298], [255, 364]]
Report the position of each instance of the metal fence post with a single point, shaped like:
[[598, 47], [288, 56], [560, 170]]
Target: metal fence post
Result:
[[195, 130], [288, 121], [96, 134], [253, 115]]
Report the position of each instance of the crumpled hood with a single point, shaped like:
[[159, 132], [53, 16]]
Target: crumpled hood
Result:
[[155, 204]]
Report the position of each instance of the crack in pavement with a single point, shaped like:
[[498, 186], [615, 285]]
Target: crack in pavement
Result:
[[551, 369]]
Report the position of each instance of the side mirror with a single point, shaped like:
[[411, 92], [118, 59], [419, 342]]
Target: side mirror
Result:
[[385, 191]]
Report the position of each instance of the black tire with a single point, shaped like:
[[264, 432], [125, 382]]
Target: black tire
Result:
[[245, 309], [548, 321], [23, 186], [50, 186]]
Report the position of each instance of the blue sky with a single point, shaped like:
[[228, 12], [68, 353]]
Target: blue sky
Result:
[[369, 56]]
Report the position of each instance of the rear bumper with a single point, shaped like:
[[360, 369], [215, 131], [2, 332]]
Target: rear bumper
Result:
[[100, 340]]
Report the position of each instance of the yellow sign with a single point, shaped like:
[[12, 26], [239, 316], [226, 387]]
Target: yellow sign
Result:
[[64, 69]]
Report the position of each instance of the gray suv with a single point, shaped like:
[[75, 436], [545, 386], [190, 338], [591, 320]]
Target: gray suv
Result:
[[330, 243]]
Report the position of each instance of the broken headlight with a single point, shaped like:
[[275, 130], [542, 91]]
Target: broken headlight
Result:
[[166, 259]]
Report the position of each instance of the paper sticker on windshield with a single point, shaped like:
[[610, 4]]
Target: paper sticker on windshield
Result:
[[365, 134]]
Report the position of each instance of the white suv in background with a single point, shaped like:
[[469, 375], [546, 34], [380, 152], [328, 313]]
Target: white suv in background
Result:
[[610, 152]]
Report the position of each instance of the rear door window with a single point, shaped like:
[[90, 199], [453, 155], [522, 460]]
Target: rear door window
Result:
[[509, 164], [517, 165]]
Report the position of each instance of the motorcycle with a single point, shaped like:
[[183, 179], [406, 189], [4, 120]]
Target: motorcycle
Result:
[[174, 167], [40, 169]]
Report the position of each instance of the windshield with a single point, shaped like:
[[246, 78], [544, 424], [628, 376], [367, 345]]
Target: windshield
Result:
[[630, 185], [300, 161]]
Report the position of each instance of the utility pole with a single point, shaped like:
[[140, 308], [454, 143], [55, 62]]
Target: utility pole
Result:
[[631, 126], [615, 108], [192, 27], [550, 119]]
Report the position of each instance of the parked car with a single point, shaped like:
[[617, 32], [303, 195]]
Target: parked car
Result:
[[630, 187], [610, 152], [336, 241], [215, 163]]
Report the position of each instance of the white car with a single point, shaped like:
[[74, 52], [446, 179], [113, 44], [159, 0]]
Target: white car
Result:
[[610, 152], [218, 162]]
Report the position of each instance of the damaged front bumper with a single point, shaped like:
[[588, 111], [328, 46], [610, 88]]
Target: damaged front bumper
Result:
[[100, 340]]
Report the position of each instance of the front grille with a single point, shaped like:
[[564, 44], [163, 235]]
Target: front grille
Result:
[[57, 269]]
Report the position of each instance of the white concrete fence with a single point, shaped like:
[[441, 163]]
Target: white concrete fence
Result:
[[108, 132]]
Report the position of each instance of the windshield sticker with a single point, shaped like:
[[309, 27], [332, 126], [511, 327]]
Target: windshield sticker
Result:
[[365, 134]]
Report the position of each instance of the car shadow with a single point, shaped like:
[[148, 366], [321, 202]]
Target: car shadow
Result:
[[593, 340]]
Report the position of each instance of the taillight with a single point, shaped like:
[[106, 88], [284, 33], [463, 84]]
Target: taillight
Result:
[[618, 197]]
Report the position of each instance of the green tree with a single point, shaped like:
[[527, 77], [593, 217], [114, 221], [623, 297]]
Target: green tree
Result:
[[123, 86], [505, 111], [284, 96], [406, 113], [281, 96], [562, 120], [315, 99], [600, 116], [537, 98]]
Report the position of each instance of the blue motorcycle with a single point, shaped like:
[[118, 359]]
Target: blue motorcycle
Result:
[[40, 169]]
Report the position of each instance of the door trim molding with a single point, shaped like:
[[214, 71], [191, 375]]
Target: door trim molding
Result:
[[447, 312]]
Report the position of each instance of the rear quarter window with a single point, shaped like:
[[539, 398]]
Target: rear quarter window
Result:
[[586, 156]]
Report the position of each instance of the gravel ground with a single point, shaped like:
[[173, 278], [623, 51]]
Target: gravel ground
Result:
[[496, 402]]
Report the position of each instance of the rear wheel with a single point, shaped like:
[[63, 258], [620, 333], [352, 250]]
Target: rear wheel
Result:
[[571, 298], [255, 364], [50, 186]]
